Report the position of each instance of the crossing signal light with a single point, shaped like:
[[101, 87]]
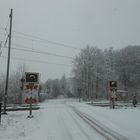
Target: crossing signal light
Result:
[[31, 77], [113, 84], [35, 87], [27, 87]]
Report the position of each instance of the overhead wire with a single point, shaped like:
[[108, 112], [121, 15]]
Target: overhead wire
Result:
[[37, 61], [15, 44], [42, 52], [44, 46], [36, 38], [30, 37], [40, 39]]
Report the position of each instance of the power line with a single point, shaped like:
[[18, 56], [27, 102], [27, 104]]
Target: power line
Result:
[[45, 40], [39, 39], [29, 40], [25, 46], [45, 53], [37, 61]]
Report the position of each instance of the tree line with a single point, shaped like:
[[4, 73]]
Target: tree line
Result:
[[59, 87], [14, 86], [93, 68]]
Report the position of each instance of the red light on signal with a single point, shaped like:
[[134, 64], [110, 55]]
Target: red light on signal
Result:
[[36, 87], [27, 87], [28, 101]]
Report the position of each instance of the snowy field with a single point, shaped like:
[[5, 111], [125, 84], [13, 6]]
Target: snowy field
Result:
[[65, 119]]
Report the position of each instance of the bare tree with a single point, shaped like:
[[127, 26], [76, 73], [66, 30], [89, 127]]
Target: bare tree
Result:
[[14, 84]]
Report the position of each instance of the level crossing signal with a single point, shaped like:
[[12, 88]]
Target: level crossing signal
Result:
[[113, 85], [31, 87], [31, 77]]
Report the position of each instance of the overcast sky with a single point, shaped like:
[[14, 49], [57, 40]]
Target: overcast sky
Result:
[[75, 23]]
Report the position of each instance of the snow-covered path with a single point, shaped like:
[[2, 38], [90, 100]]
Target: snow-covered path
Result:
[[58, 120], [61, 123]]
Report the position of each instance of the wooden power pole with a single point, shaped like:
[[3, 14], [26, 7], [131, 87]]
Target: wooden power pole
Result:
[[8, 61]]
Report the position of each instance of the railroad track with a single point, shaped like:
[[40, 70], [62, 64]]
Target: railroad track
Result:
[[106, 132]]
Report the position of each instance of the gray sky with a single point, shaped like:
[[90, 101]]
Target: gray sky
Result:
[[76, 23]]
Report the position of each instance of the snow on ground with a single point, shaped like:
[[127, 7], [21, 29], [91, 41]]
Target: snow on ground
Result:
[[16, 125], [124, 120], [57, 121]]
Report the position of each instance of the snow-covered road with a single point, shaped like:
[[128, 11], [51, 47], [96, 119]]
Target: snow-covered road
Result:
[[60, 120]]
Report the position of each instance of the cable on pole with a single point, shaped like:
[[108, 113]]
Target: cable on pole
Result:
[[38, 61], [42, 52], [36, 38]]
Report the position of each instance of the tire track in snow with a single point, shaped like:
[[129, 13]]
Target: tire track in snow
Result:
[[66, 132], [100, 128], [87, 137]]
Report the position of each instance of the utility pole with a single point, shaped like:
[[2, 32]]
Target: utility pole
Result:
[[8, 61]]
